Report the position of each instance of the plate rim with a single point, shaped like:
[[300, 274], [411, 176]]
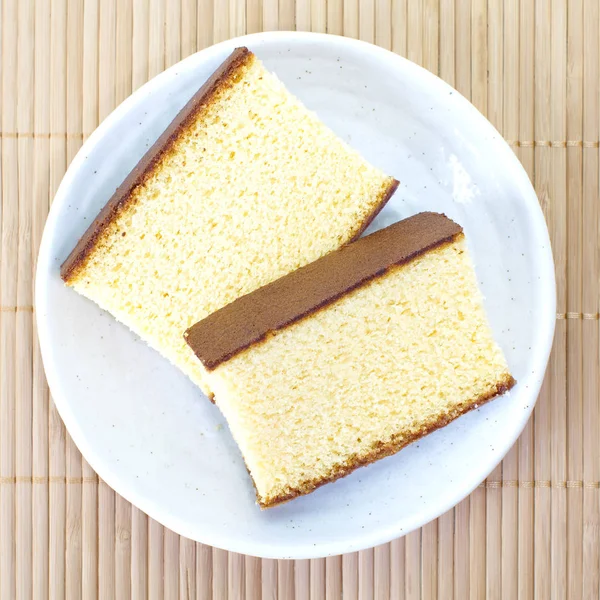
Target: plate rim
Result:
[[302, 549]]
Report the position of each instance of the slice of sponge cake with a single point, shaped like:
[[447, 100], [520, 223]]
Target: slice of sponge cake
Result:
[[352, 357], [245, 186]]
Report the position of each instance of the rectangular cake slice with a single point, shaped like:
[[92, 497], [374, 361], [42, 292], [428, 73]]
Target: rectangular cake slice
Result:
[[352, 357], [243, 187]]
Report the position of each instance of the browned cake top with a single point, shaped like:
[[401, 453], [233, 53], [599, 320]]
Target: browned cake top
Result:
[[250, 318]]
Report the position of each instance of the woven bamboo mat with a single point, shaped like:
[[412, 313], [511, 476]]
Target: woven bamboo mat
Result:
[[532, 529]]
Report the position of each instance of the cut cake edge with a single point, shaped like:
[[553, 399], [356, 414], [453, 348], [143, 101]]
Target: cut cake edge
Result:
[[385, 449], [122, 197]]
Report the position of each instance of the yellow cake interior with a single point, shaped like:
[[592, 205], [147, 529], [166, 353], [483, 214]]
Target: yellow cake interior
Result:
[[363, 376], [253, 188]]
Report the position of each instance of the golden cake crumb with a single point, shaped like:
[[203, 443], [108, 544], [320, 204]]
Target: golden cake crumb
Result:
[[357, 380]]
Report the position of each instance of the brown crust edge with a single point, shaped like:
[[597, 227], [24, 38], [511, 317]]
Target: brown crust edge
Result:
[[383, 450], [392, 187], [122, 197]]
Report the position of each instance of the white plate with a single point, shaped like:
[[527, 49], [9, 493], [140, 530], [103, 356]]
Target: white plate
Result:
[[153, 437]]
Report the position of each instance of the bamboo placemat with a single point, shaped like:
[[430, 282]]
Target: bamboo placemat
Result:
[[532, 529]]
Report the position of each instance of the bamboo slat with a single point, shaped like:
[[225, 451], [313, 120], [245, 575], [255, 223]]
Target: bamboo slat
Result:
[[303, 15], [350, 575], [431, 35], [365, 574], [155, 560], [270, 15], [23, 351], [172, 33], [236, 575], [73, 558], [204, 572], [90, 118], [8, 296], [574, 391], [301, 580], [205, 13], [350, 12], [220, 574], [591, 264], [429, 560], [287, 15], [140, 54], [558, 193], [285, 579], [510, 466], [123, 88], [412, 573], [317, 578], [318, 16], [57, 433], [491, 103], [445, 562], [334, 577], [171, 565], [462, 52], [189, 17], [139, 554], [461, 550], [532, 530], [39, 425], [542, 415], [187, 570], [526, 448], [477, 543], [414, 34]]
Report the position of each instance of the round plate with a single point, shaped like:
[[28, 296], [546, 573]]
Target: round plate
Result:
[[153, 437]]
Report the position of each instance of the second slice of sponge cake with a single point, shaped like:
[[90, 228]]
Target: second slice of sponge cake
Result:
[[245, 186], [352, 357]]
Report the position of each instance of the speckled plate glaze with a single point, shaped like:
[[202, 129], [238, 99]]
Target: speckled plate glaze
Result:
[[153, 437]]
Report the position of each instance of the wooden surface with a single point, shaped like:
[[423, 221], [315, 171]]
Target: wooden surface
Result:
[[532, 529]]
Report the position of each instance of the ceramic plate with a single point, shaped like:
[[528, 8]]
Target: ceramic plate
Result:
[[153, 437]]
